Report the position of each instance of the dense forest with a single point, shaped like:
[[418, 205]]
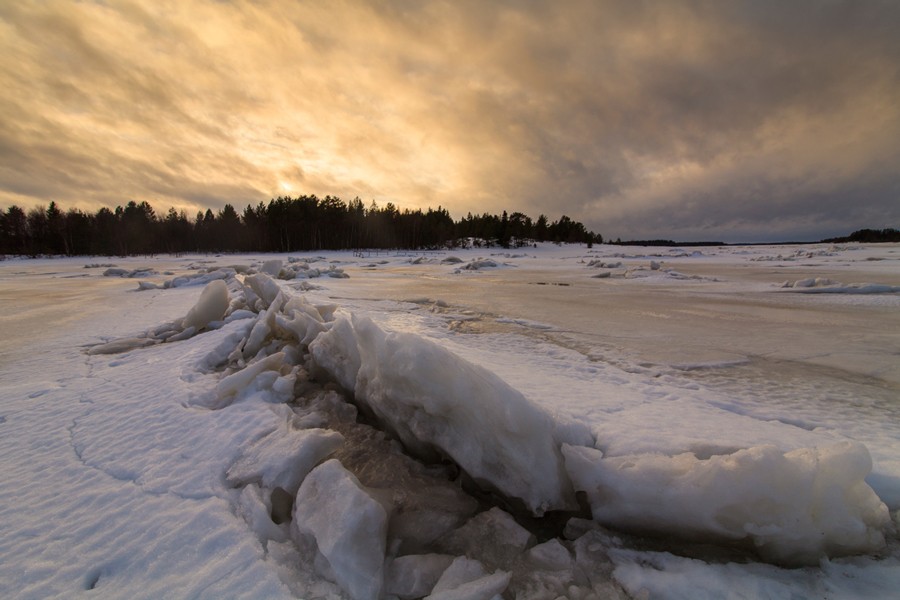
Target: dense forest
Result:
[[285, 224], [869, 236]]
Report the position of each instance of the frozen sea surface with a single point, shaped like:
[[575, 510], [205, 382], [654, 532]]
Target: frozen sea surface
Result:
[[713, 414]]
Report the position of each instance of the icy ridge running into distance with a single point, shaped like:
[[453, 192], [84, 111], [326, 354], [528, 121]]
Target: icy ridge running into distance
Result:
[[382, 525]]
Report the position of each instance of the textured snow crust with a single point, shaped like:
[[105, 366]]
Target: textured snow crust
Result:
[[272, 443]]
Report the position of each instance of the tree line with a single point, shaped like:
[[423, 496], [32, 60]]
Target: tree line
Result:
[[285, 224], [869, 236]]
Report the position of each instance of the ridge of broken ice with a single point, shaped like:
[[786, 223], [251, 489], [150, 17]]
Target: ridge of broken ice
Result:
[[796, 507]]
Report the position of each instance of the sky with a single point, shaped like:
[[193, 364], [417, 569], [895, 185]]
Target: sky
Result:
[[756, 120]]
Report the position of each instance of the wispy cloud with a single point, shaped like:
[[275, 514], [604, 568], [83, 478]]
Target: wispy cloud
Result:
[[734, 120]]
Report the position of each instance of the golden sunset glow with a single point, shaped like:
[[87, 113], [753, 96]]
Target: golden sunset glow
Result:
[[730, 120]]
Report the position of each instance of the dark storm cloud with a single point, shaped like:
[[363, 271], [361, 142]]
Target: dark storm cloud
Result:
[[726, 120]]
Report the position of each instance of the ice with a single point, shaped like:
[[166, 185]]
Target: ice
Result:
[[238, 382], [493, 535], [466, 579], [795, 507], [211, 306], [265, 288], [284, 457], [824, 285], [348, 525], [272, 267], [480, 263], [199, 278], [434, 400], [763, 397], [663, 575], [121, 345], [414, 575], [128, 273], [550, 556], [255, 507]]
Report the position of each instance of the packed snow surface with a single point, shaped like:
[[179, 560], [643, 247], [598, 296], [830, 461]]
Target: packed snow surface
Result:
[[687, 425]]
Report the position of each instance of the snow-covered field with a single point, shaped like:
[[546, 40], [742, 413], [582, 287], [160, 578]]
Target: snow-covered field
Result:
[[541, 423]]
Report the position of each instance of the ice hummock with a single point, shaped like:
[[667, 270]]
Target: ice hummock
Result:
[[438, 403], [795, 507], [392, 372], [435, 401]]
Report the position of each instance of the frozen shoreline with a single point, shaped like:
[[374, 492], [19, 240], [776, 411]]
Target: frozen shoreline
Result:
[[523, 347]]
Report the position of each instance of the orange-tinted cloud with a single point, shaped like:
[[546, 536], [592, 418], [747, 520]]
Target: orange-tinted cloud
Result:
[[732, 120]]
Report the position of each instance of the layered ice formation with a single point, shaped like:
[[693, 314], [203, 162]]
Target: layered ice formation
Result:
[[366, 529], [435, 402]]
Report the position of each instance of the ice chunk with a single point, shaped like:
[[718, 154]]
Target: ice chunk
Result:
[[494, 535], [199, 278], [466, 579], [272, 267], [480, 263], [348, 525], [239, 314], [428, 513], [264, 287], [461, 570], [550, 556], [210, 307], [234, 383], [184, 334], [122, 345], [415, 575], [302, 324], [284, 457], [796, 507], [433, 399], [263, 327], [338, 353], [825, 285], [256, 511]]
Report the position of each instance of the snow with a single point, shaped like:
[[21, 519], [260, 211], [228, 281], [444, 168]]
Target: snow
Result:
[[261, 437]]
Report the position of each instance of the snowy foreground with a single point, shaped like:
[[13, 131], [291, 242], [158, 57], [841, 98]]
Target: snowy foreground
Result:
[[552, 422]]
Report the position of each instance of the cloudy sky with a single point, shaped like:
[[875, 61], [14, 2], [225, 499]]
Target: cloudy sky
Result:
[[746, 120]]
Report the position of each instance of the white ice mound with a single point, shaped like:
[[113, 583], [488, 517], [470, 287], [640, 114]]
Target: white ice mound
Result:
[[795, 507], [435, 400], [349, 526], [212, 306]]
